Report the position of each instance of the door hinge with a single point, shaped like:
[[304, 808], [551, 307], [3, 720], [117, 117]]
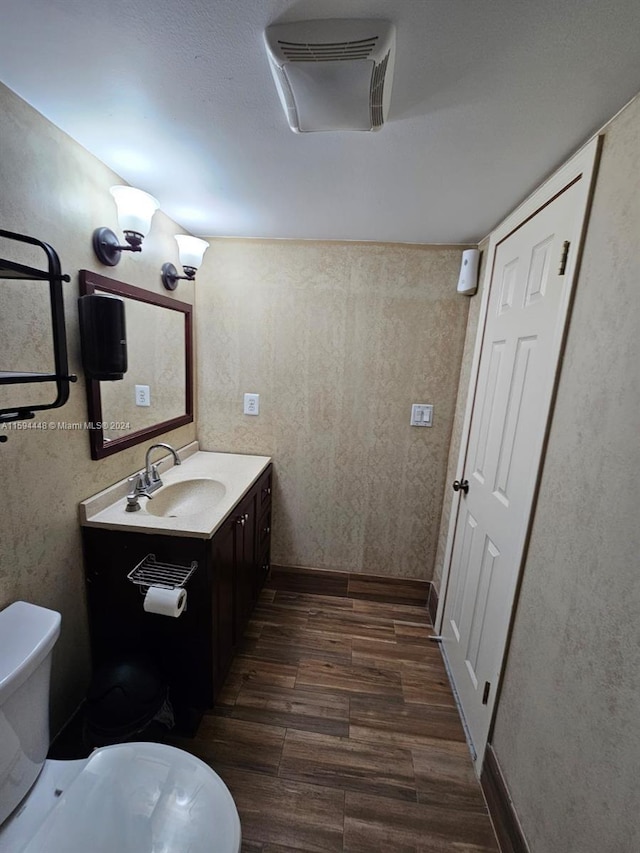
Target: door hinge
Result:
[[563, 259], [485, 694]]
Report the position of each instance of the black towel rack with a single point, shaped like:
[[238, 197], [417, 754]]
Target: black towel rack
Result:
[[61, 377]]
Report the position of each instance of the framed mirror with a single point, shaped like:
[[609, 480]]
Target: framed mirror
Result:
[[156, 393]]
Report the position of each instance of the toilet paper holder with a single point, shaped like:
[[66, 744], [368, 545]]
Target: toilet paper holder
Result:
[[152, 572]]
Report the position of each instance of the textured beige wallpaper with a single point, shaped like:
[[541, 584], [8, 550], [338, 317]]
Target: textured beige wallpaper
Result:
[[56, 191], [567, 733], [339, 339]]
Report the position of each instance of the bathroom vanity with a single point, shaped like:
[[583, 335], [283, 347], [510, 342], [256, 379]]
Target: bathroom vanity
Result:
[[213, 510]]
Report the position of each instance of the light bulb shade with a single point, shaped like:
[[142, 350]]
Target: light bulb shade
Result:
[[191, 250], [135, 209]]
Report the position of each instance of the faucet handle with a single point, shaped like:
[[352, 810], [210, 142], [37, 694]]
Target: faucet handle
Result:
[[155, 476], [140, 481]]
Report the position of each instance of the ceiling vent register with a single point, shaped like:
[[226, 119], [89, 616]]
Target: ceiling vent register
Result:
[[299, 52], [333, 74]]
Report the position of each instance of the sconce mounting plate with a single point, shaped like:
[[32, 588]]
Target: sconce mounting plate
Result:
[[107, 246], [170, 276]]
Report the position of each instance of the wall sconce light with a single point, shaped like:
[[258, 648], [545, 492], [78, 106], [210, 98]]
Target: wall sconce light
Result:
[[135, 211], [191, 251]]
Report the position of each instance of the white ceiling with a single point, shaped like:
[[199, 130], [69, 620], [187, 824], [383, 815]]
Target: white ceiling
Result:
[[489, 96]]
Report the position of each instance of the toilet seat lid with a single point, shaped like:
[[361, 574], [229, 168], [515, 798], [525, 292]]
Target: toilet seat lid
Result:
[[141, 798]]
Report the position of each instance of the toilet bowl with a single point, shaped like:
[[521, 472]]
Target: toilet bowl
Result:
[[127, 798]]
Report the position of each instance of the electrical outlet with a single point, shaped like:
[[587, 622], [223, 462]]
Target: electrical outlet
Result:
[[252, 404], [143, 395]]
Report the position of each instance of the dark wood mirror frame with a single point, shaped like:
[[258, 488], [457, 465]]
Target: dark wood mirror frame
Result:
[[89, 283]]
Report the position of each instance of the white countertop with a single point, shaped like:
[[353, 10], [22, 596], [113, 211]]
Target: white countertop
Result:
[[237, 472]]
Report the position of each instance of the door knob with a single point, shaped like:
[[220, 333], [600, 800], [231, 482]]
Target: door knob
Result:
[[461, 486]]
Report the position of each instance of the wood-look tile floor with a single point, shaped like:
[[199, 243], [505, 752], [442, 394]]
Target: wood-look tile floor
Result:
[[336, 730]]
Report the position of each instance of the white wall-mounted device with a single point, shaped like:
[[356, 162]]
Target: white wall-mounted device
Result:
[[468, 280], [251, 404], [143, 395], [333, 74]]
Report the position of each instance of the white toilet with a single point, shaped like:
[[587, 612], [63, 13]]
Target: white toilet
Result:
[[129, 798]]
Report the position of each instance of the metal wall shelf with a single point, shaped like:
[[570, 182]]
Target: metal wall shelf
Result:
[[61, 377], [14, 377], [11, 269], [152, 572]]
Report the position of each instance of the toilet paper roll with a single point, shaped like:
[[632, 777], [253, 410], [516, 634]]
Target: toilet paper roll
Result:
[[166, 602]]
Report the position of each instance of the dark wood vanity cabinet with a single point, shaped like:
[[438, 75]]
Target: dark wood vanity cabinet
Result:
[[241, 558], [196, 649], [121, 630]]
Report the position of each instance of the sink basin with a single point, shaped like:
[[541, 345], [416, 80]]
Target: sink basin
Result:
[[186, 497]]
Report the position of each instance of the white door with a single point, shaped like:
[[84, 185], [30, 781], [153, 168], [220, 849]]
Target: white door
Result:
[[526, 315]]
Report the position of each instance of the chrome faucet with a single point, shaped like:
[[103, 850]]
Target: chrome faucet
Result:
[[147, 481], [152, 479]]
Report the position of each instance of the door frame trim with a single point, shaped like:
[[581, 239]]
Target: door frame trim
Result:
[[583, 164]]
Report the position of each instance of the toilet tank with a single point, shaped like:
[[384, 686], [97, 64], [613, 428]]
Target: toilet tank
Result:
[[27, 636]]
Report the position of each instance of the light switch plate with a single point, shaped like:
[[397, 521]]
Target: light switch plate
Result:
[[422, 414], [252, 404]]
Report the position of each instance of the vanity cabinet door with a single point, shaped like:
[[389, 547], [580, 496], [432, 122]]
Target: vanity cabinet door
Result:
[[263, 532], [245, 560], [240, 561], [223, 564], [264, 489], [263, 551]]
